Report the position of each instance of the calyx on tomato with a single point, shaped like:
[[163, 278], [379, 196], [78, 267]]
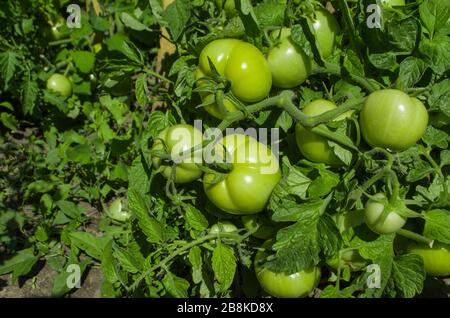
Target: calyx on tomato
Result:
[[285, 285], [175, 140], [246, 189]]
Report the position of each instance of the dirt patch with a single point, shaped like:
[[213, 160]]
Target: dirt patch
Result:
[[41, 285]]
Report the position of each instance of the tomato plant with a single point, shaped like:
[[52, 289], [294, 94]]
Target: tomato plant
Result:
[[285, 285], [246, 189], [60, 84], [311, 145], [289, 65], [161, 142], [391, 119], [176, 140]]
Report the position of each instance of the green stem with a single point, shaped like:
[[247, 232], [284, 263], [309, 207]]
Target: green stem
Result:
[[416, 237], [58, 42], [157, 75], [348, 22], [329, 68], [395, 187], [185, 248]]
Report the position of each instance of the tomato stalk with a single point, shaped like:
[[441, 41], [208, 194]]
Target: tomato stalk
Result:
[[416, 237], [186, 248], [333, 69]]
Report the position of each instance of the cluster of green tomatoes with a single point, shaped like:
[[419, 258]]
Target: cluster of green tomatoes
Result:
[[389, 119]]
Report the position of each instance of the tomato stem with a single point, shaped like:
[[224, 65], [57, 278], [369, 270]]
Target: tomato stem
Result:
[[416, 237], [330, 68]]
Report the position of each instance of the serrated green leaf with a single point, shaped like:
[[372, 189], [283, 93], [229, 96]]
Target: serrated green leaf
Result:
[[84, 60], [194, 218], [92, 245], [20, 264], [148, 224], [408, 275], [224, 265], [437, 225], [176, 286]]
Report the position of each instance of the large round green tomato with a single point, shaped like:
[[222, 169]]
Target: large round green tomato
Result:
[[436, 259], [266, 227], [246, 189], [391, 119], [117, 211], [326, 29], [60, 84], [390, 3], [373, 211], [283, 285], [242, 64], [290, 66], [311, 145], [177, 139]]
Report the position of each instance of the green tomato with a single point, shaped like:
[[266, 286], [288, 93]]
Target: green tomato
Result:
[[266, 227], [289, 64], [117, 211], [350, 258], [391, 3], [246, 189], [60, 84], [373, 211], [242, 64], [326, 29], [284, 285], [179, 138], [223, 227], [311, 145], [391, 119], [436, 259]]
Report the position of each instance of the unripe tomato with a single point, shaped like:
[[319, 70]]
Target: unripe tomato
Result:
[[391, 119], [223, 227], [326, 29], [373, 215], [60, 84], [177, 139], [266, 228], [290, 66], [242, 64], [351, 259], [311, 145], [117, 211], [284, 285], [436, 259], [246, 189], [390, 3]]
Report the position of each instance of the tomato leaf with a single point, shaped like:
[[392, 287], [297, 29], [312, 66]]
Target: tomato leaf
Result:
[[176, 286], [148, 224], [224, 265], [408, 275], [194, 218], [437, 225]]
